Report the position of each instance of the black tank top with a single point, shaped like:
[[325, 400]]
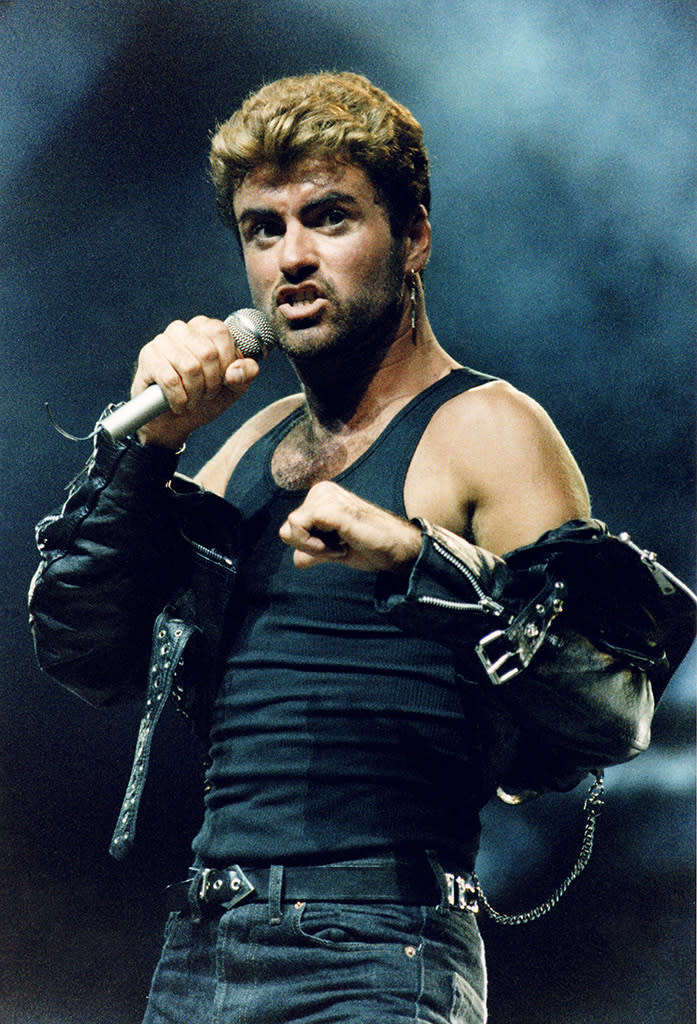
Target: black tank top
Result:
[[334, 733]]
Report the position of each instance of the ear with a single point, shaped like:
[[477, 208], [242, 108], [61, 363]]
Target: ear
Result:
[[418, 240]]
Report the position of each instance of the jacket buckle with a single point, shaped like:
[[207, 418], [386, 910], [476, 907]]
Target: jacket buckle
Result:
[[494, 664]]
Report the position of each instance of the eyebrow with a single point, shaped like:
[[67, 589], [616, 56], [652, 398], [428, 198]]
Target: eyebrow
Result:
[[252, 213]]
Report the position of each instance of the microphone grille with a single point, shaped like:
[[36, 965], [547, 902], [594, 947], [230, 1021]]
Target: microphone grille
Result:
[[252, 332]]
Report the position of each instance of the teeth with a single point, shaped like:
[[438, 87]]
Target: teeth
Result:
[[301, 298]]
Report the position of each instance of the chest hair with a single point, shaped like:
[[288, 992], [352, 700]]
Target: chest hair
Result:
[[302, 458]]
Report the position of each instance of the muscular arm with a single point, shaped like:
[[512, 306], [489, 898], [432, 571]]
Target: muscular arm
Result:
[[493, 468], [530, 483]]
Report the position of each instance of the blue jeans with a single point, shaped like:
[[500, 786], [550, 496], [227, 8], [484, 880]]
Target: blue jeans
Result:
[[323, 963]]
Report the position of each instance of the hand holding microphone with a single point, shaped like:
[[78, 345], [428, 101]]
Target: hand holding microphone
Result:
[[191, 373]]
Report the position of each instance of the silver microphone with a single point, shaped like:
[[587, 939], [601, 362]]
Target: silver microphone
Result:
[[253, 335]]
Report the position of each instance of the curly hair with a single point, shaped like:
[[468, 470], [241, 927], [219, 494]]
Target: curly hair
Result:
[[340, 115]]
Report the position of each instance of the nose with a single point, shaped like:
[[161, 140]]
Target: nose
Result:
[[298, 256]]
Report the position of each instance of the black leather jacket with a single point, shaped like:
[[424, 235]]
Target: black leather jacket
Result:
[[564, 645]]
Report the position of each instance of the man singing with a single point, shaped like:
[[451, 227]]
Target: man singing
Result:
[[359, 602]]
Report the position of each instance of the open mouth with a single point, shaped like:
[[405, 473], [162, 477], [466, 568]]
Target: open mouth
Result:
[[300, 303]]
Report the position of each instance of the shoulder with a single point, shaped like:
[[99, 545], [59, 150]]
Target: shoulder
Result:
[[508, 464], [499, 418], [495, 403], [215, 474], [495, 420]]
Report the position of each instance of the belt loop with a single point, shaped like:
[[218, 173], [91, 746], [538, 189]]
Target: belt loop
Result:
[[275, 893], [442, 881], [193, 894]]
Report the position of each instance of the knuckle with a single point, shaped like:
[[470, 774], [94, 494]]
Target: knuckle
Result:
[[324, 490], [209, 327], [190, 366], [173, 391], [220, 332], [170, 380], [208, 354], [153, 347], [175, 329], [291, 522]]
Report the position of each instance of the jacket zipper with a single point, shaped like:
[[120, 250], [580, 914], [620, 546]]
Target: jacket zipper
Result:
[[485, 602], [213, 556]]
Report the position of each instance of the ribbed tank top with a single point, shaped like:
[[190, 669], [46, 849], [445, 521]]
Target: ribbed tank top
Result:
[[334, 733]]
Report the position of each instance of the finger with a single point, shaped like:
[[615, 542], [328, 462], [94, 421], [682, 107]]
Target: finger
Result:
[[293, 533], [188, 361], [222, 364], [314, 544], [316, 529], [302, 560], [218, 334], [330, 539], [324, 508], [334, 524], [206, 353], [158, 364], [240, 374]]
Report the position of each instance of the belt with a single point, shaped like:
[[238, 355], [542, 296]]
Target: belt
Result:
[[389, 881]]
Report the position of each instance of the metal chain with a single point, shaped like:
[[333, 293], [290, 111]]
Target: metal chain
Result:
[[592, 806]]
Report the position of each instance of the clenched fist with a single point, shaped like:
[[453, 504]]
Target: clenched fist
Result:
[[334, 525]]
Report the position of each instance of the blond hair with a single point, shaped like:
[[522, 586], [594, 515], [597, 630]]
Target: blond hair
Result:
[[340, 115]]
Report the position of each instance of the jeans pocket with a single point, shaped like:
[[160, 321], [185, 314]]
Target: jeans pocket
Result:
[[468, 1007], [357, 926]]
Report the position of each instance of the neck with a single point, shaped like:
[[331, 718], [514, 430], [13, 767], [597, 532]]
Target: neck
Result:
[[345, 399]]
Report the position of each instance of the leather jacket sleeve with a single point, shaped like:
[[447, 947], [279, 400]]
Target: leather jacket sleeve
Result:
[[109, 560], [573, 640]]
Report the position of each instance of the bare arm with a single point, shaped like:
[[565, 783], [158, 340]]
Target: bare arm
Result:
[[528, 481], [491, 467], [582, 701]]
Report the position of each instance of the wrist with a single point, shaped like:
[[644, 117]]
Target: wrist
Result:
[[407, 550], [157, 439]]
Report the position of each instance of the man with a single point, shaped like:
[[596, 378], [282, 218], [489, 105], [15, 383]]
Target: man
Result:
[[353, 728]]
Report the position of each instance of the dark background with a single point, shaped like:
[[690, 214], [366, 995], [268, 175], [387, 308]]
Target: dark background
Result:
[[563, 153]]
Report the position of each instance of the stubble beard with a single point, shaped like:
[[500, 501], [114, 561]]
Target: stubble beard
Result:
[[353, 332]]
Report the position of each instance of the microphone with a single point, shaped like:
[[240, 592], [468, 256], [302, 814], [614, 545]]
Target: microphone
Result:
[[253, 335]]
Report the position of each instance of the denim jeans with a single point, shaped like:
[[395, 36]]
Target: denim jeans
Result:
[[322, 963]]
